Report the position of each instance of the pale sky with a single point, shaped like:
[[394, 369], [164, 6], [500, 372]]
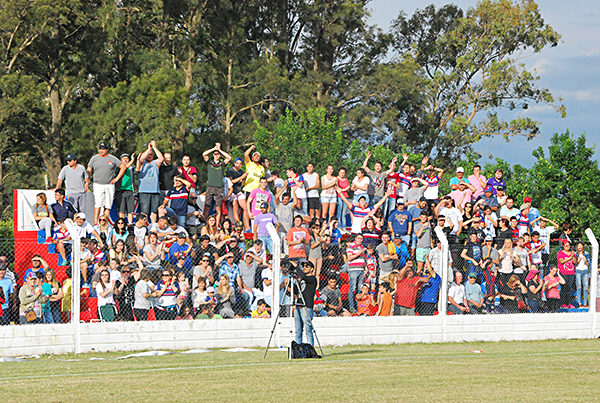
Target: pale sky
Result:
[[569, 70]]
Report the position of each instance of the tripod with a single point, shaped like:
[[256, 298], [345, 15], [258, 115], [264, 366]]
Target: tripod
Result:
[[298, 303]]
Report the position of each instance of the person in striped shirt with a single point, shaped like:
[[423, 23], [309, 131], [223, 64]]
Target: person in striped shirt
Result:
[[523, 219], [355, 251], [178, 196], [361, 211]]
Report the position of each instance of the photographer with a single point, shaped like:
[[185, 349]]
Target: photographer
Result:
[[307, 284]]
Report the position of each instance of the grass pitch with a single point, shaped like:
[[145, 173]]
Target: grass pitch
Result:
[[544, 371]]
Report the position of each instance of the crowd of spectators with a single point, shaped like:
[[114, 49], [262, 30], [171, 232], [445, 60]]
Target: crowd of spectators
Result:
[[371, 241]]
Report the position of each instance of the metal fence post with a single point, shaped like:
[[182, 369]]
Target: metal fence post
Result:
[[76, 286], [276, 275], [442, 303], [593, 278]]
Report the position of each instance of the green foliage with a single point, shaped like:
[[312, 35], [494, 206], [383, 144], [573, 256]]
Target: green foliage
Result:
[[297, 140]]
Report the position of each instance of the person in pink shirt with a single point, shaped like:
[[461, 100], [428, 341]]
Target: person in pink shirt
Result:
[[567, 259], [551, 283], [462, 195], [478, 181]]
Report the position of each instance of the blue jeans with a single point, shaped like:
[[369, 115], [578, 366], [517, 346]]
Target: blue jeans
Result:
[[388, 206], [267, 243], [181, 219], [305, 206], [303, 319], [375, 200], [581, 279], [354, 277], [342, 213], [48, 317]]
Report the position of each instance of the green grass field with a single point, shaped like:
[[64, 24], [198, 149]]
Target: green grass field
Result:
[[546, 371]]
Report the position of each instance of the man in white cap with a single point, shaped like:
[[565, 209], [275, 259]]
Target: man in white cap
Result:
[[85, 229], [460, 174]]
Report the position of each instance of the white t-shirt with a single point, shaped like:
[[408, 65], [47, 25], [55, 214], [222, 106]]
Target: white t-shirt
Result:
[[85, 230], [267, 274], [365, 181], [545, 236], [457, 292], [310, 180], [109, 299], [452, 214]]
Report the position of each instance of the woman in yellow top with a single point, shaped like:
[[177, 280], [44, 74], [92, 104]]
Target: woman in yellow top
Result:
[[254, 170]]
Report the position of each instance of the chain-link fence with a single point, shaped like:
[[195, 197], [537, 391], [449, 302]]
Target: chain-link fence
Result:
[[234, 279]]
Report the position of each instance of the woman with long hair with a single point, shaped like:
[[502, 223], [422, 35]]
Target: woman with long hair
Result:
[[225, 298], [154, 253], [535, 285], [106, 299], [584, 262], [56, 294], [211, 229], [121, 253], [43, 215], [315, 255], [507, 260], [567, 258], [226, 228], [342, 187], [328, 195], [120, 231], [551, 286], [105, 230], [513, 293], [200, 295]]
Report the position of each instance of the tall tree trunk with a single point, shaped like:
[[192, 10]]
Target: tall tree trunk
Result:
[[54, 161]]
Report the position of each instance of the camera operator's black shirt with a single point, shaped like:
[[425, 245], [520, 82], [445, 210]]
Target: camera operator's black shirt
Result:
[[308, 285]]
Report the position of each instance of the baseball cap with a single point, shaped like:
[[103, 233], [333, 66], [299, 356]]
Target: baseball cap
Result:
[[488, 188], [472, 275], [414, 178], [181, 235], [399, 201], [71, 157], [264, 205], [397, 236], [210, 289], [502, 188], [524, 206], [31, 275], [489, 238], [124, 155], [460, 169], [255, 152], [527, 200], [104, 145], [80, 215]]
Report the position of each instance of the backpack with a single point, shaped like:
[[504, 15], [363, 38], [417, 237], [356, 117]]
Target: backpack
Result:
[[303, 350]]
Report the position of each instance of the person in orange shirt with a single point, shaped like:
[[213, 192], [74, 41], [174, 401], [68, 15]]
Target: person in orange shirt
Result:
[[365, 301], [297, 239]]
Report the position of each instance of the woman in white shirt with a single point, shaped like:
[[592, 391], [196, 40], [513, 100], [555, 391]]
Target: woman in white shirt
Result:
[[106, 301], [360, 184], [328, 195]]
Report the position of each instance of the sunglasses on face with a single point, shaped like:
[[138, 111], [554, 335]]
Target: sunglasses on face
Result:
[[125, 271], [166, 275]]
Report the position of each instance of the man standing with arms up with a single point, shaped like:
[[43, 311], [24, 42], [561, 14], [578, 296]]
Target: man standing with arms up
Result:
[[76, 180], [214, 183], [149, 190], [103, 168]]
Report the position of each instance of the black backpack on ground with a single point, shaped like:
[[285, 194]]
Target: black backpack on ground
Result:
[[303, 350]]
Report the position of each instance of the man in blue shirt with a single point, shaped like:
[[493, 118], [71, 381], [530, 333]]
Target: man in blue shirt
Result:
[[62, 208], [400, 222], [7, 290], [429, 292]]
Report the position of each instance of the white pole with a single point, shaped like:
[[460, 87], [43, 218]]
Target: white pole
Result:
[[276, 275], [443, 302], [594, 278], [76, 286]]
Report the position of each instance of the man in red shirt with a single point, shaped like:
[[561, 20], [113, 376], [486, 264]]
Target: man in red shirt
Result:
[[297, 239], [407, 286]]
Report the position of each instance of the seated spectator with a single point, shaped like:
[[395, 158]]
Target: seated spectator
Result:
[[105, 230], [195, 217], [512, 296], [204, 247], [185, 313], [457, 301], [206, 312], [181, 251], [474, 294], [166, 292], [43, 215], [407, 286], [385, 299], [225, 297], [365, 301], [261, 310], [178, 196], [62, 208], [332, 299]]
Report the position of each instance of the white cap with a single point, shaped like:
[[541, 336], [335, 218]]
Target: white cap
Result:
[[80, 215], [460, 169]]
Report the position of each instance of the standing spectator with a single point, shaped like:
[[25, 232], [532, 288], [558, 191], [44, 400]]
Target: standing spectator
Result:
[[303, 314], [166, 172], [284, 213], [392, 186], [433, 180], [488, 199], [238, 198], [31, 299], [462, 195], [257, 197], [342, 187], [511, 294], [509, 210], [166, 293], [62, 208], [407, 287], [533, 212], [225, 297], [140, 231], [124, 188], [523, 219], [474, 294], [551, 286], [413, 195], [297, 238], [472, 255], [102, 167], [384, 257], [478, 181], [460, 174], [457, 299], [76, 180], [429, 293], [508, 259], [149, 190], [143, 293], [535, 248], [38, 265], [496, 181], [55, 295], [106, 301], [43, 215], [399, 250], [360, 185], [423, 232], [7, 290], [540, 225], [584, 261], [254, 170], [434, 259], [312, 183], [359, 212], [535, 285], [193, 223], [328, 195], [125, 292], [260, 226], [377, 177], [567, 259], [178, 196], [501, 195], [297, 186], [214, 183], [356, 267], [404, 178], [188, 172]]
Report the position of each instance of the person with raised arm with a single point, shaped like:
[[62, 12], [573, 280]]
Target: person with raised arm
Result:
[[214, 183]]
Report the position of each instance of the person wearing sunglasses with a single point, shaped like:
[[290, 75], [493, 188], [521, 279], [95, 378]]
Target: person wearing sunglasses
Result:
[[166, 293]]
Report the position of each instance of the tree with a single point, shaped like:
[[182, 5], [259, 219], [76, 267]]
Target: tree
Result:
[[469, 64], [566, 182]]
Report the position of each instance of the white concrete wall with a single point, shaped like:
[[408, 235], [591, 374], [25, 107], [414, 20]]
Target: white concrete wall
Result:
[[131, 336]]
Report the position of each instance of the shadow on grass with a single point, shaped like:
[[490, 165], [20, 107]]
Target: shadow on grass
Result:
[[349, 352]]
